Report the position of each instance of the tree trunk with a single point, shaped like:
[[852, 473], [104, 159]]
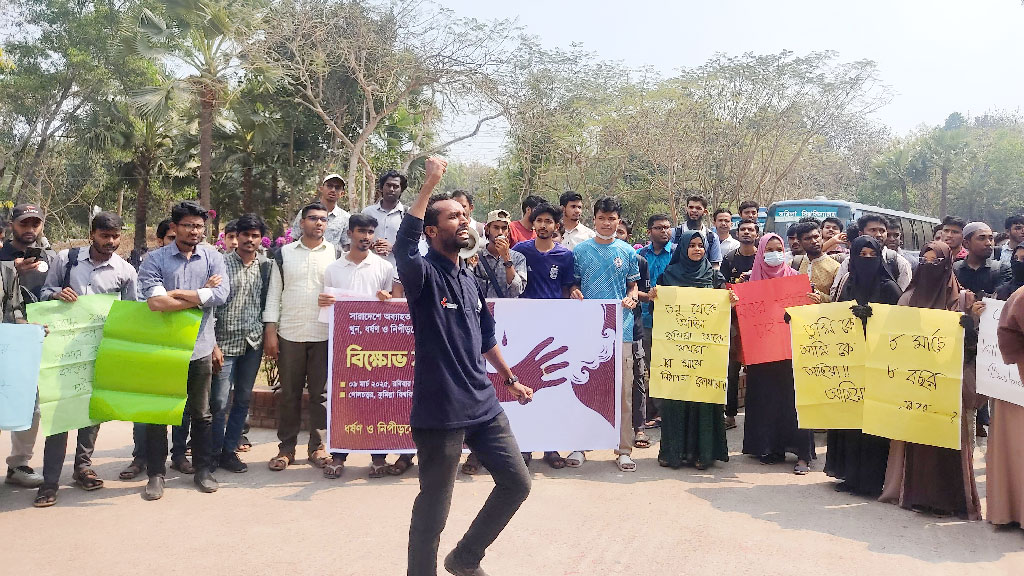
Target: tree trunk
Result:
[[247, 189], [33, 167], [207, 101], [120, 201], [277, 226], [942, 198], [141, 201], [906, 196], [353, 169]]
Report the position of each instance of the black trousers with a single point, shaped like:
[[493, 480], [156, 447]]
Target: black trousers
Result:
[[55, 448], [439, 452], [732, 396], [200, 376]]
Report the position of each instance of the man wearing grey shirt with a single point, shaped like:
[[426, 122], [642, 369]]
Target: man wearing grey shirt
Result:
[[179, 276], [501, 271], [95, 269], [331, 189]]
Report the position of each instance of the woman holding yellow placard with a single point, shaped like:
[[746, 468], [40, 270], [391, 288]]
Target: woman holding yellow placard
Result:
[[929, 478], [692, 433], [770, 428], [856, 458]]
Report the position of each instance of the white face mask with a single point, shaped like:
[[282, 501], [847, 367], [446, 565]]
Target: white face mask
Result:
[[774, 259]]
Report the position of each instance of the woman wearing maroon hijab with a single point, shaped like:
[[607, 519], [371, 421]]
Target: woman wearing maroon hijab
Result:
[[929, 478], [770, 426]]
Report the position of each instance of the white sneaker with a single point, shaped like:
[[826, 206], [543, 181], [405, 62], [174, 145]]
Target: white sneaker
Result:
[[24, 476]]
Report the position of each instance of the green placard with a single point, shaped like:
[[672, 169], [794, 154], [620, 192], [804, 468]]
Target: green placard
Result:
[[69, 356], [142, 364]]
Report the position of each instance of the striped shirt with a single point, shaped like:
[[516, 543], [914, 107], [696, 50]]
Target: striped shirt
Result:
[[293, 303], [240, 321]]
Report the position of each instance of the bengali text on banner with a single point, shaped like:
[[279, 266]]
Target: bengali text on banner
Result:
[[828, 365], [761, 314], [575, 375], [690, 344], [914, 363]]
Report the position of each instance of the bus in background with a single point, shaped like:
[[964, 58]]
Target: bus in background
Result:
[[917, 230], [762, 216]]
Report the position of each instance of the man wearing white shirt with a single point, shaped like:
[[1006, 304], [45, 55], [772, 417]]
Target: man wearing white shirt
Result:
[[331, 189], [388, 213], [572, 210], [360, 272], [723, 226], [295, 337]]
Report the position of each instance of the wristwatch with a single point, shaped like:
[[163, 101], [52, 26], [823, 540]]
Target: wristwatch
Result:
[[507, 264], [510, 381]]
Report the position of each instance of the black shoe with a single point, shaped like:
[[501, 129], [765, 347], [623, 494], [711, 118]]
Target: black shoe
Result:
[[232, 463], [182, 465], [453, 567], [154, 489], [205, 481]]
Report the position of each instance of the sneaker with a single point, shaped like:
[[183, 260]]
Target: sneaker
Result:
[[232, 463], [24, 476]]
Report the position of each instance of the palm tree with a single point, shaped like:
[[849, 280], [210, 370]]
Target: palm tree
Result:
[[197, 36], [946, 148], [249, 131]]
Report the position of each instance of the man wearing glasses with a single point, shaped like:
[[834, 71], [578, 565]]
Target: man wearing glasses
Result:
[[294, 337], [331, 189], [181, 275], [658, 254]]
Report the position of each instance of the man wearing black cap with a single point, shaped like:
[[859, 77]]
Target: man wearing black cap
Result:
[[32, 257], [28, 249]]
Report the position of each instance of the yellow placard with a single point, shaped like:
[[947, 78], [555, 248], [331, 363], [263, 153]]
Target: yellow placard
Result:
[[690, 341], [828, 365], [914, 370]]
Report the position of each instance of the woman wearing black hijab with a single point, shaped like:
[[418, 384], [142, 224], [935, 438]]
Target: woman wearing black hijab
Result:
[[692, 433], [855, 458]]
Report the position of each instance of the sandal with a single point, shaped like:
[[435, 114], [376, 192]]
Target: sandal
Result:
[[576, 459], [403, 464], [641, 440], [625, 463], [334, 469], [801, 469], [700, 465], [134, 469], [45, 498], [87, 480], [376, 470], [281, 461], [472, 465], [183, 466], [244, 445], [655, 423], [555, 460], [320, 457]]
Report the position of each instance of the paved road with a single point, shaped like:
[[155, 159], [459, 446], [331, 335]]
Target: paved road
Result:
[[737, 518]]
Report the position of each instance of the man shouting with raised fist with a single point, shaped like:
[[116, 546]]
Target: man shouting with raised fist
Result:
[[453, 399]]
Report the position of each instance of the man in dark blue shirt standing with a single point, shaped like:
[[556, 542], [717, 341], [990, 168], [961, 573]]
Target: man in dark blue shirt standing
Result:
[[453, 399]]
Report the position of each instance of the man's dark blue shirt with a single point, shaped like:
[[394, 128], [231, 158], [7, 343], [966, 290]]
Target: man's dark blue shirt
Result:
[[453, 328]]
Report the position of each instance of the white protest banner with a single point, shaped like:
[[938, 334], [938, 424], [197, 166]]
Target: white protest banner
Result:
[[575, 374], [996, 379]]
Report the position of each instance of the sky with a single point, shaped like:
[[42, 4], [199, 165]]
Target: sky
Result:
[[937, 56]]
